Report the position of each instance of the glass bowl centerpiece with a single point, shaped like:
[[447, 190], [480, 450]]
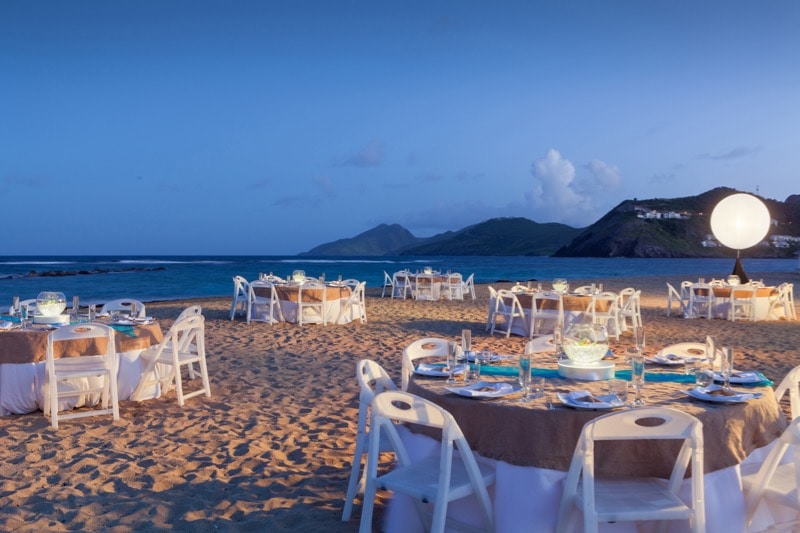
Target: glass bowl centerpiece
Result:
[[585, 343], [299, 276], [733, 280], [560, 285], [427, 270], [51, 303]]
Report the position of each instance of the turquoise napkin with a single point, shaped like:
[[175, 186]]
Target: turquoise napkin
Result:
[[127, 330], [652, 377]]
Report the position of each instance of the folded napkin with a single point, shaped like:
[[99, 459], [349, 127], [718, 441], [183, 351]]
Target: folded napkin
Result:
[[584, 398], [717, 393], [484, 389], [5, 324], [745, 378]]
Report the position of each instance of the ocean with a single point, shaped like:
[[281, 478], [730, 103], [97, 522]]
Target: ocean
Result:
[[96, 279]]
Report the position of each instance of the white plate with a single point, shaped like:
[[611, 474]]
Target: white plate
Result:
[[485, 389], [607, 401], [741, 377], [678, 354], [122, 323], [710, 394], [437, 371]]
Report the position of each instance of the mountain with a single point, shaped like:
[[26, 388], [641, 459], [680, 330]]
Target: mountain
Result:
[[657, 227], [380, 240], [498, 236], [637, 228]]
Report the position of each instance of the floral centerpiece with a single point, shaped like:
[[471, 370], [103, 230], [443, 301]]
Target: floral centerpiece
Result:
[[585, 343], [299, 276], [51, 303]]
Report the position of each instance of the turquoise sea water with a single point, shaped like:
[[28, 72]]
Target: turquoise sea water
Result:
[[156, 278]]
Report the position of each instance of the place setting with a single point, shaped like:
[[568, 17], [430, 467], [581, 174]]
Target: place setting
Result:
[[706, 389]]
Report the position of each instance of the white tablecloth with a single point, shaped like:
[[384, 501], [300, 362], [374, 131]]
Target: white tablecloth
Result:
[[22, 385], [527, 498]]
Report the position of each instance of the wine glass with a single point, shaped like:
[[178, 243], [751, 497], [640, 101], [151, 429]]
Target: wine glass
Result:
[[727, 366], [637, 379], [525, 375], [638, 335]]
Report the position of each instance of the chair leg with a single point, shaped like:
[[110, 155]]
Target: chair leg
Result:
[[356, 472]]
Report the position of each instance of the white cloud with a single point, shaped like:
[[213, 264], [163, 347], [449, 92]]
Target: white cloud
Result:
[[559, 194]]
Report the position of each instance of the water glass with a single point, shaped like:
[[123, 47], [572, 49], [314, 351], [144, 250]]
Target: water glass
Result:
[[703, 377], [23, 316], [619, 389], [474, 374], [92, 312], [637, 379], [15, 305], [525, 375], [452, 361], [537, 387]]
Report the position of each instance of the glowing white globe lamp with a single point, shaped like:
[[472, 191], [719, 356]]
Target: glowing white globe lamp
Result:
[[740, 221]]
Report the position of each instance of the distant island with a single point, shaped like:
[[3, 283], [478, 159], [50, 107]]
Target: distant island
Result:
[[658, 227]]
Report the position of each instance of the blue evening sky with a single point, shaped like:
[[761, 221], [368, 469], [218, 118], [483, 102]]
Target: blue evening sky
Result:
[[265, 127]]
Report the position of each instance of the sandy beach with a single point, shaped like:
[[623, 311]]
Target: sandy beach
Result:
[[272, 449]]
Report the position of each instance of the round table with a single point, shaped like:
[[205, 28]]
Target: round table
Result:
[[532, 443]]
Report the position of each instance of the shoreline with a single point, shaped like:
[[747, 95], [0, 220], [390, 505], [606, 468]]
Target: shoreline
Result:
[[272, 448]]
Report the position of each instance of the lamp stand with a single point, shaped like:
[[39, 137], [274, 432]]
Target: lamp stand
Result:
[[738, 269]]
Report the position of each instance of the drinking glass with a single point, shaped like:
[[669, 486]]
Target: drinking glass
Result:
[[638, 334], [727, 366], [558, 341], [711, 352], [525, 375], [15, 305], [637, 379], [703, 377], [466, 341], [23, 316], [92, 312], [452, 361], [619, 388], [537, 387]]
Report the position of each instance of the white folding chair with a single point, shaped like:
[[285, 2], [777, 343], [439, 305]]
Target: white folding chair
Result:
[[507, 307], [603, 310], [701, 300], [388, 282], [427, 347], [452, 288], [401, 285], [791, 384], [312, 299], [742, 304], [431, 482], [674, 296], [423, 287], [630, 308], [492, 302], [547, 313], [241, 295], [96, 371], [372, 380], [783, 300], [355, 305], [133, 308], [268, 307], [468, 286], [775, 481], [183, 345], [635, 499]]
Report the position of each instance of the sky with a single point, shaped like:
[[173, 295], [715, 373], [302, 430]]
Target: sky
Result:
[[197, 127]]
